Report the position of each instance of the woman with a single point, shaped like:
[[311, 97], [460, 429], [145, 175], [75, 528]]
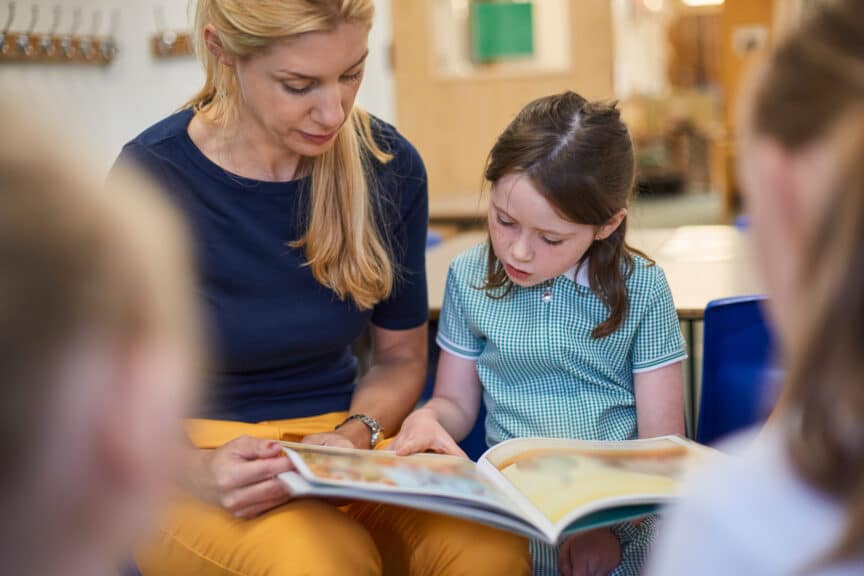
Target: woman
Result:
[[793, 501], [311, 222]]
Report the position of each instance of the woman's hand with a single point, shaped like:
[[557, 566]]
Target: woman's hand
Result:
[[421, 432], [593, 553], [241, 476], [333, 439]]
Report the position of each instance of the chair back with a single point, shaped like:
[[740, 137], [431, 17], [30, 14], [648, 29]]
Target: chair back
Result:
[[737, 373]]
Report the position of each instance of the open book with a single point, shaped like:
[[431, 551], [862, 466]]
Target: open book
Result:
[[541, 488]]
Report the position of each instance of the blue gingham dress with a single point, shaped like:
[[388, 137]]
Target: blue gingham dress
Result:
[[544, 375]]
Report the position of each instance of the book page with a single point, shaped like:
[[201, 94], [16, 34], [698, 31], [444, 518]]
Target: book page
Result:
[[564, 479], [420, 474]]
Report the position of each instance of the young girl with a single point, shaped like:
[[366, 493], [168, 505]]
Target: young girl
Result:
[[99, 354], [792, 501], [565, 330]]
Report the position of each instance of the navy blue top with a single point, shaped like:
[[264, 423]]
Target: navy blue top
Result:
[[282, 341]]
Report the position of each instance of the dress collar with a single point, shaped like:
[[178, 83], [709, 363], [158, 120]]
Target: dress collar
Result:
[[582, 277]]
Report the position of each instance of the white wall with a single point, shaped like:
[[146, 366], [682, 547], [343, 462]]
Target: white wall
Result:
[[640, 48], [111, 105], [452, 46]]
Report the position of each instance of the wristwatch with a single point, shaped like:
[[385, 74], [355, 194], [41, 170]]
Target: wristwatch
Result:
[[371, 423]]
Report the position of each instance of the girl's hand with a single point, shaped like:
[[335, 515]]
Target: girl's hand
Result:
[[421, 432], [241, 476], [593, 553]]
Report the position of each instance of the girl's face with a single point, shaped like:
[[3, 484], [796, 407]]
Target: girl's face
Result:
[[299, 93], [530, 238]]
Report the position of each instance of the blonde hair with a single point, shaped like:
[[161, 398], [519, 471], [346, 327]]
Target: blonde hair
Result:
[[79, 260], [344, 246], [812, 93]]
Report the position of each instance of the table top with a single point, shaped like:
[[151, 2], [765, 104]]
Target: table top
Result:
[[702, 263]]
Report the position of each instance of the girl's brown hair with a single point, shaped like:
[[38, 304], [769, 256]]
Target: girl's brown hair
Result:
[[812, 93], [579, 156], [344, 245]]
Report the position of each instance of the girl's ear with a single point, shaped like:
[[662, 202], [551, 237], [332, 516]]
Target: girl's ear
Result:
[[215, 46], [611, 225]]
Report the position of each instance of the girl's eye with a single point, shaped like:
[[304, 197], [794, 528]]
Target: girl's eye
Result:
[[295, 90], [551, 242], [502, 221]]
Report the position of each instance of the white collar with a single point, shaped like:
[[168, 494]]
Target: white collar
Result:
[[582, 278]]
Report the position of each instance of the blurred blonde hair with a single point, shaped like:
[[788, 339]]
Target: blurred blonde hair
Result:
[[344, 246], [812, 92], [78, 260]]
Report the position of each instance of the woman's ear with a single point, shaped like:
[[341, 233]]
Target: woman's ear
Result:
[[215, 46], [611, 225]]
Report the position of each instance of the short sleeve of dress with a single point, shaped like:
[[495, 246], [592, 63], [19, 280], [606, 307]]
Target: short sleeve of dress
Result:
[[658, 340], [455, 334]]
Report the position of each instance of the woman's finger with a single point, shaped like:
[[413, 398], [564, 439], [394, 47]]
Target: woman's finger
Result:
[[256, 495], [251, 473], [254, 448]]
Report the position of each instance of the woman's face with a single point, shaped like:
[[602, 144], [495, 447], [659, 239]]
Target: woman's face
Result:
[[298, 94]]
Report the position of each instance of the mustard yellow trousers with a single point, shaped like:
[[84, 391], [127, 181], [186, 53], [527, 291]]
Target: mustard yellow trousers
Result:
[[317, 538]]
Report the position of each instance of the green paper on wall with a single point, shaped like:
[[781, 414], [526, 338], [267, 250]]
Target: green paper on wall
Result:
[[501, 30]]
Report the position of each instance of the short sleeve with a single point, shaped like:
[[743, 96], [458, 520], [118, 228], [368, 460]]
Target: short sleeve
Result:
[[135, 156], [658, 341], [455, 334], [408, 306]]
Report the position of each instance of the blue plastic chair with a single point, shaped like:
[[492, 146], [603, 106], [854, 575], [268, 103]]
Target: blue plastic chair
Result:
[[736, 368], [475, 443], [433, 239]]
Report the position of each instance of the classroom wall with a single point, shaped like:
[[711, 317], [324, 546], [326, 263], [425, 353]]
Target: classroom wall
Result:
[[110, 105], [640, 50], [454, 120], [740, 15]]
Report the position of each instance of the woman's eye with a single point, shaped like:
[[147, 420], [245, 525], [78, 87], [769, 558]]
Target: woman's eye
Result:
[[551, 241], [296, 90], [353, 77]]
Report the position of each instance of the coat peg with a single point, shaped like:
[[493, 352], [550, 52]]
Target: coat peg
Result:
[[22, 42], [168, 43], [67, 42], [166, 38], [4, 34], [86, 45], [108, 47], [47, 44]]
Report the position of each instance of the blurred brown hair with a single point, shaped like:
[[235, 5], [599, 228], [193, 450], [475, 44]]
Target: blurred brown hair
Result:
[[812, 93], [79, 260], [579, 156]]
